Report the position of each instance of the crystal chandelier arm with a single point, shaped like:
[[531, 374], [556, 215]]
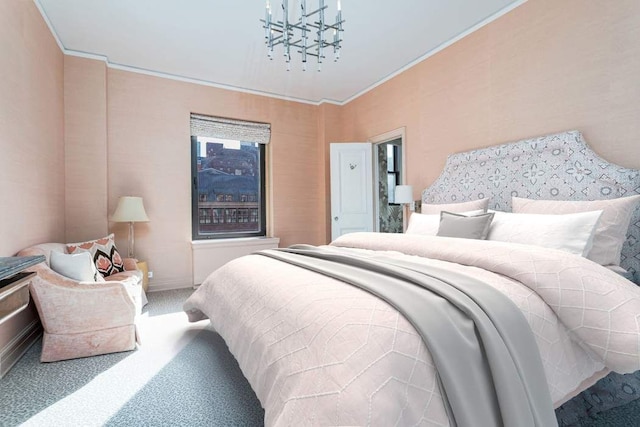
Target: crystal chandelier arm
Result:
[[277, 40], [286, 33], [333, 26], [320, 33], [267, 21], [303, 20], [285, 22], [316, 11], [336, 34]]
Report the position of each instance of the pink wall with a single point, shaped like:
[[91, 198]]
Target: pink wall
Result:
[[329, 130], [544, 67], [31, 130], [31, 143], [149, 156], [85, 124]]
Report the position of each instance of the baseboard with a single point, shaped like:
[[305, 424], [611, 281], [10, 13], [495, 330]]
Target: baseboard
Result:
[[18, 346], [170, 285]]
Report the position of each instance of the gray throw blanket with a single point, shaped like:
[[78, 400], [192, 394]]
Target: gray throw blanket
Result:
[[486, 356]]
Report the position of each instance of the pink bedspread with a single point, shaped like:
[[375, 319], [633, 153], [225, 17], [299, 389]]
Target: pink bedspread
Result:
[[320, 352]]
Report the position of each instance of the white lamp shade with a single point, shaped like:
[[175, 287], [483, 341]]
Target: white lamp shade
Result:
[[404, 194], [130, 209]]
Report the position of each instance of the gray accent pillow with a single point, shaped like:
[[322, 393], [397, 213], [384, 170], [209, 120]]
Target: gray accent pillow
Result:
[[621, 271], [465, 227]]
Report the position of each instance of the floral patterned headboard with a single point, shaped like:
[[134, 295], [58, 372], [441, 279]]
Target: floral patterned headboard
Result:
[[558, 166]]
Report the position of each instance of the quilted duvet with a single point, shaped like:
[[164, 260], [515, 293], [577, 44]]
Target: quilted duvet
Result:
[[320, 352]]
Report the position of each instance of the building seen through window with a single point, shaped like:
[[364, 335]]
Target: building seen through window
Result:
[[229, 183]]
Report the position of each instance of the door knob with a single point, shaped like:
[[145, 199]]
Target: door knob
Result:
[[335, 218]]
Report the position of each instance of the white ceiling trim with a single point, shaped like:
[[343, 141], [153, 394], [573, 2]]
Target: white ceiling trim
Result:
[[189, 79], [76, 53], [116, 66]]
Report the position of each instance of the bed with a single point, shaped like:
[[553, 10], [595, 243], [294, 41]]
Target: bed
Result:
[[318, 351]]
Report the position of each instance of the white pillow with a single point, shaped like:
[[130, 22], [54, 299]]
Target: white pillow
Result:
[[79, 266], [461, 207], [611, 232], [571, 233], [427, 224]]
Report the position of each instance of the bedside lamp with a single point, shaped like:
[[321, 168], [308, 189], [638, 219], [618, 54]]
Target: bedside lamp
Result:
[[130, 209], [404, 196]]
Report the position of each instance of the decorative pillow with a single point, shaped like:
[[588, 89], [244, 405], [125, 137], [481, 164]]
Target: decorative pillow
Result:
[[571, 233], [621, 271], [611, 232], [104, 253], [78, 266], [428, 224], [466, 227], [456, 207]]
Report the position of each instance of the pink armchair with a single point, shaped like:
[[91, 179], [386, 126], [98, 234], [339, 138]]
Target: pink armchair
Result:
[[83, 319]]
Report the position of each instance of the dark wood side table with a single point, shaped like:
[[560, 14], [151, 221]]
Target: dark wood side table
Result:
[[14, 298]]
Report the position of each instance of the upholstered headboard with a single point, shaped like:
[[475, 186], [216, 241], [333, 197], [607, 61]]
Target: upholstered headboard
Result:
[[558, 166]]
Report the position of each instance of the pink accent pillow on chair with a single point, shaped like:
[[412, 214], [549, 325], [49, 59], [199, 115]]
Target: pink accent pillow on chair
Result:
[[103, 252]]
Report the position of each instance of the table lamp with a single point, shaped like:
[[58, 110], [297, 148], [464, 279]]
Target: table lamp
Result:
[[404, 196], [130, 209]]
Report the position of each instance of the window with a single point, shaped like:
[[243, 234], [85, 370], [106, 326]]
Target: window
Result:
[[228, 178], [393, 170], [205, 216], [218, 216], [254, 215], [243, 215]]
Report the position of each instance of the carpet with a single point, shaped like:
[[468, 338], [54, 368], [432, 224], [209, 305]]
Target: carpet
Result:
[[210, 391], [183, 374]]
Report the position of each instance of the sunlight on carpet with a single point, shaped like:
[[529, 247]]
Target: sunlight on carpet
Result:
[[163, 337]]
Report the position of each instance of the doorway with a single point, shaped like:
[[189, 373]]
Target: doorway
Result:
[[389, 169], [352, 207]]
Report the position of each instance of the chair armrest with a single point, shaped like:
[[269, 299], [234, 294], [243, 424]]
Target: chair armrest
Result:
[[71, 307], [130, 264]]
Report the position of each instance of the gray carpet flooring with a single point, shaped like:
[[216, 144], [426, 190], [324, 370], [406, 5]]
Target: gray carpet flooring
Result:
[[201, 385], [622, 416]]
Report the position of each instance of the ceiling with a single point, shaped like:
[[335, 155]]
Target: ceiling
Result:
[[221, 42]]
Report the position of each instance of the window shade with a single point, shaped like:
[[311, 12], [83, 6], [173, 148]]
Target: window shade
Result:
[[217, 127]]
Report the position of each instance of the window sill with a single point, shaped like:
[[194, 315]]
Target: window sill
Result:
[[234, 242]]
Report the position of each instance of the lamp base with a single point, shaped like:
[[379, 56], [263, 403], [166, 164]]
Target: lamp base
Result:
[[131, 241]]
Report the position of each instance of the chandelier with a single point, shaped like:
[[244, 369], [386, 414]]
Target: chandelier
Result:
[[308, 35]]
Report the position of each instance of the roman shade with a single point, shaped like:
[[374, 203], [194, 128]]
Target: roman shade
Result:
[[238, 130]]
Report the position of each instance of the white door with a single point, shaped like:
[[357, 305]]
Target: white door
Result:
[[351, 188]]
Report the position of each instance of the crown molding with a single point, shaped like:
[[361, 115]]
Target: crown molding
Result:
[[179, 78], [116, 66], [416, 61]]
